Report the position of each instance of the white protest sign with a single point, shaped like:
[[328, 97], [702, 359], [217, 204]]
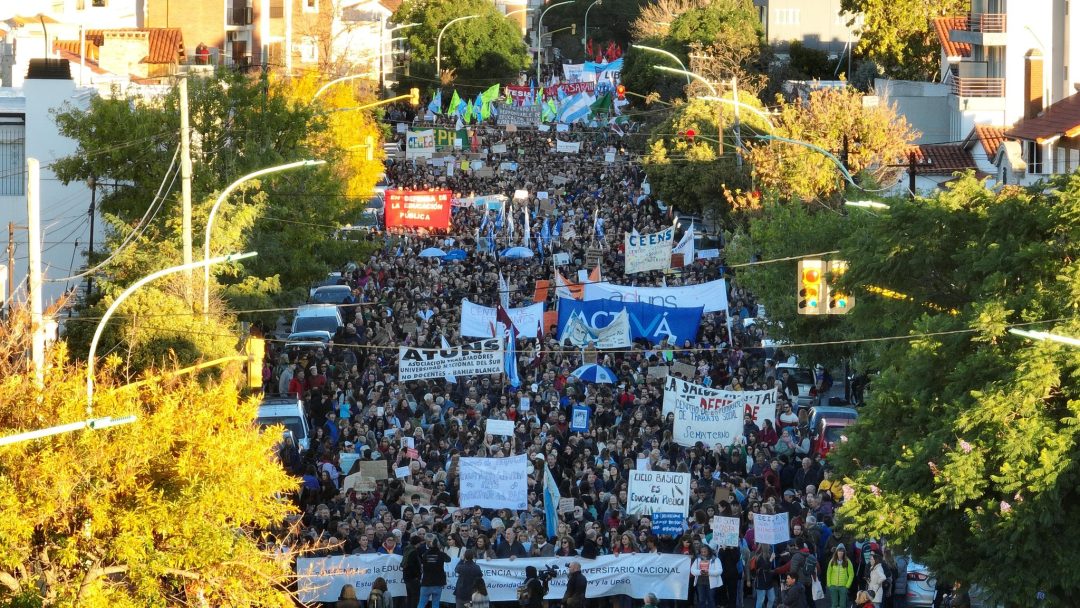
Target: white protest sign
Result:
[[708, 254], [402, 472], [725, 531], [615, 335], [568, 147], [561, 259], [713, 416], [658, 491], [479, 358], [566, 505], [562, 127], [771, 529], [503, 428], [320, 579], [645, 252], [609, 157], [520, 194], [642, 464], [420, 144], [479, 321], [402, 127], [498, 149], [494, 483]]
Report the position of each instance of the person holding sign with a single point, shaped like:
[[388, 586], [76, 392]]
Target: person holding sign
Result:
[[707, 573]]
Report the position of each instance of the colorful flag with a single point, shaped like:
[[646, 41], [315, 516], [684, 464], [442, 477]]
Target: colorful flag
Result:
[[435, 107], [455, 106], [478, 108], [551, 504], [510, 367]]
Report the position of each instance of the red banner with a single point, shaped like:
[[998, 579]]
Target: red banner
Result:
[[569, 88], [518, 94], [428, 209]]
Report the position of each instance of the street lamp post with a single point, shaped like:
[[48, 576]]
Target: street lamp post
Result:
[[438, 44], [688, 74], [213, 212], [673, 56], [326, 86], [585, 31], [123, 296], [1043, 335], [539, 28]]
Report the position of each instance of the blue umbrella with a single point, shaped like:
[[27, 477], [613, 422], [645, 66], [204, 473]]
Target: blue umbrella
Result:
[[517, 253], [594, 373], [455, 255], [433, 252]]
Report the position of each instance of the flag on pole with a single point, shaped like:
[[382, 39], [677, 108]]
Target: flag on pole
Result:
[[435, 107], [478, 108], [545, 233], [452, 379], [686, 246], [528, 230], [551, 504], [576, 108], [557, 230], [504, 292], [487, 98], [510, 356], [455, 106]]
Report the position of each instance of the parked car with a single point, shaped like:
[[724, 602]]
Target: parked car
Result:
[[922, 586], [333, 278], [288, 411], [317, 317], [804, 378], [331, 294], [827, 424]]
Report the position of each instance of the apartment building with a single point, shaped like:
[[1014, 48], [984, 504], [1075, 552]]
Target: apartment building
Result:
[[818, 25]]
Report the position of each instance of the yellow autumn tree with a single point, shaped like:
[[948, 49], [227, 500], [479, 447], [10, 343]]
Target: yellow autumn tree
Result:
[[173, 509]]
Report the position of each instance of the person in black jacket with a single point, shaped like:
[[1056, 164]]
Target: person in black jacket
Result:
[[468, 574], [795, 594], [537, 589], [411, 570], [576, 585], [433, 579]]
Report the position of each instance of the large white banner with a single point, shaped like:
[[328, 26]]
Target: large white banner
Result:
[[771, 529], [711, 296], [479, 321], [646, 252], [420, 144], [658, 492], [713, 416], [615, 335], [494, 483], [570, 147], [475, 359], [321, 579]]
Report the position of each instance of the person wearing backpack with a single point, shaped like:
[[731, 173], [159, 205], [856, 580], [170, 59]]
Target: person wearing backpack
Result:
[[838, 577], [803, 564], [531, 593]]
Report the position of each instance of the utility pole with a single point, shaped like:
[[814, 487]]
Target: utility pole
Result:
[[185, 183], [911, 174], [738, 134], [11, 264], [90, 250], [33, 223]]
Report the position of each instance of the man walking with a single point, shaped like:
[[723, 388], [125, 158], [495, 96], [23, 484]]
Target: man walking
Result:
[[576, 585], [433, 578], [467, 575]]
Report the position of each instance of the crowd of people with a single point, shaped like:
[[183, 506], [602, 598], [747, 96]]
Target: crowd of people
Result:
[[357, 406]]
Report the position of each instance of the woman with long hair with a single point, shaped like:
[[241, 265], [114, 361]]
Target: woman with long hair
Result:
[[838, 578], [707, 571], [764, 581], [380, 595]]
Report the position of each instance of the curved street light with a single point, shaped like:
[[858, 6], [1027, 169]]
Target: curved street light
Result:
[[673, 56], [213, 213], [688, 74], [326, 86], [539, 28], [585, 30], [438, 44], [738, 104], [123, 296]]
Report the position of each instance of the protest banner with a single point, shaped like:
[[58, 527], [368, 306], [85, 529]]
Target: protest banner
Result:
[[498, 149], [418, 209], [658, 371], [579, 419], [402, 472], [478, 358], [479, 321], [685, 370], [489, 201], [711, 296], [642, 464], [725, 531], [671, 524], [568, 147], [502, 428], [373, 469], [358, 483], [449, 139], [320, 579], [494, 483], [653, 323], [609, 157], [713, 416], [569, 89], [518, 116], [645, 252], [420, 144], [771, 529], [615, 335], [519, 95], [659, 492], [346, 460], [708, 254]]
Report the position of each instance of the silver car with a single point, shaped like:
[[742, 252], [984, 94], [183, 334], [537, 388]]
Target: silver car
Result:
[[922, 586]]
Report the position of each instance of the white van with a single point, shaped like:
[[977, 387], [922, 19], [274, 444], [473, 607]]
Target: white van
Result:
[[318, 317], [287, 411]]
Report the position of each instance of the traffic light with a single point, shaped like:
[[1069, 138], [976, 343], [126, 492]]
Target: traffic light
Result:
[[573, 29], [414, 96], [689, 134], [839, 302], [811, 287], [255, 348], [620, 92]]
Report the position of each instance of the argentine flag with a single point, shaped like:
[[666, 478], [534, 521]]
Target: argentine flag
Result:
[[575, 108]]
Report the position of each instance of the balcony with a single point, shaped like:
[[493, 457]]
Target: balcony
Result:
[[977, 87], [984, 29], [238, 15]]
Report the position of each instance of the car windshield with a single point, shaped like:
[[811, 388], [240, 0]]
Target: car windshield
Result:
[[833, 433], [314, 324], [330, 296], [292, 423], [800, 374]]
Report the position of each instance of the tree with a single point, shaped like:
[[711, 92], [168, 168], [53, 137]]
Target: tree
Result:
[[171, 509], [900, 36], [476, 52], [688, 171], [865, 139], [655, 18], [966, 449]]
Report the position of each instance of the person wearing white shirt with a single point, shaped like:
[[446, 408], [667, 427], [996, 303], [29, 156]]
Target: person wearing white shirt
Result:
[[706, 571]]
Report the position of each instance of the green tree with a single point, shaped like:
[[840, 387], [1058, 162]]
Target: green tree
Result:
[[900, 36], [160, 512], [966, 450], [476, 52]]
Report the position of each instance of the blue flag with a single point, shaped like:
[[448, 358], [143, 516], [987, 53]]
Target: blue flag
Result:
[[551, 504], [478, 105], [545, 233], [557, 231], [435, 107]]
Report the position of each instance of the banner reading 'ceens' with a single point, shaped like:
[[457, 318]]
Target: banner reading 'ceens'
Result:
[[418, 209]]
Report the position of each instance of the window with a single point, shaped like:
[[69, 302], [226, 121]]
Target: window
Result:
[[787, 16], [309, 49], [12, 156], [1033, 154], [310, 6]]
